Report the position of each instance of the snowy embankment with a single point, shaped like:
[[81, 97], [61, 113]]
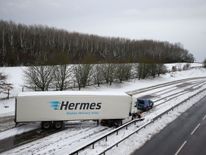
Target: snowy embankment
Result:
[[62, 142], [67, 140], [16, 77]]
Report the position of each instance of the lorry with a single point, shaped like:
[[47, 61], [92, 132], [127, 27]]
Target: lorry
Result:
[[52, 108]]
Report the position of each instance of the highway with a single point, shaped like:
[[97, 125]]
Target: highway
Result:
[[184, 136], [166, 95]]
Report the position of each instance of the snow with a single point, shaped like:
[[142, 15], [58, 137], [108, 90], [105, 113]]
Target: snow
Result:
[[144, 135], [179, 66], [15, 76], [138, 84], [7, 107], [18, 130], [72, 138], [138, 140], [68, 140]]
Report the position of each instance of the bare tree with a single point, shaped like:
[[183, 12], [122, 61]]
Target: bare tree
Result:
[[146, 70], [186, 66], [98, 74], [5, 87], [62, 77], [2, 80], [174, 68], [39, 77], [128, 71], [108, 71], [123, 72], [82, 74], [204, 63], [141, 71], [161, 69]]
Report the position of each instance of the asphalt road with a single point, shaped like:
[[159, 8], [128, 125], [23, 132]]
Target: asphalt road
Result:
[[184, 136]]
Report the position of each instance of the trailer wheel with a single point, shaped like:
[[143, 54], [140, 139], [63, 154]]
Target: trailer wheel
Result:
[[117, 123], [58, 124], [46, 125]]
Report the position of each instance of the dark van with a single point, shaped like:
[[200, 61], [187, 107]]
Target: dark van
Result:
[[144, 104]]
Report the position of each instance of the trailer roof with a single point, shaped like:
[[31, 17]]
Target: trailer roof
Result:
[[51, 93]]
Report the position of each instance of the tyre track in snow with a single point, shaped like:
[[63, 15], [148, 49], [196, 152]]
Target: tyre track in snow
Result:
[[47, 133], [135, 126], [176, 95], [63, 139], [173, 88], [18, 140], [133, 92], [181, 92], [99, 146], [7, 123], [168, 95]]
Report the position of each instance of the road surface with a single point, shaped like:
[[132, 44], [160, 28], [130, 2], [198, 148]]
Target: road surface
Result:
[[184, 136]]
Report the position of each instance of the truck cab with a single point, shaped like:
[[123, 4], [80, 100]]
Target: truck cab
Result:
[[144, 104]]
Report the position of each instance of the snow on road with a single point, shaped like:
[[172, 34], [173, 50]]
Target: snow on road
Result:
[[7, 107], [68, 140], [144, 135], [139, 139], [62, 141], [19, 130], [65, 141]]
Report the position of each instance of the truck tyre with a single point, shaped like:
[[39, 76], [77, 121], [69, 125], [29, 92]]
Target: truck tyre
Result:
[[110, 123], [46, 125], [117, 123], [58, 124]]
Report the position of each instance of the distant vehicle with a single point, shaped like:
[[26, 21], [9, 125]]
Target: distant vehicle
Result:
[[144, 104], [54, 107]]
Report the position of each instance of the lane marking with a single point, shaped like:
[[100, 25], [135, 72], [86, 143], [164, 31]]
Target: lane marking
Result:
[[204, 117], [180, 148], [193, 131]]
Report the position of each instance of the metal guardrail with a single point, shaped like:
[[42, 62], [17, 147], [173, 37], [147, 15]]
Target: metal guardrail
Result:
[[105, 136], [153, 120], [126, 126]]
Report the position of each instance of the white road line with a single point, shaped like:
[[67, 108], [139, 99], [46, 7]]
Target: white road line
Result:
[[204, 117], [193, 131], [178, 151]]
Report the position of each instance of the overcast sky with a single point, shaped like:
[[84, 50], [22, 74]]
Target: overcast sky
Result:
[[181, 21]]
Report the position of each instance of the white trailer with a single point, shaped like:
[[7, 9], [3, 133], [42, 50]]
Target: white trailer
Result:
[[53, 107]]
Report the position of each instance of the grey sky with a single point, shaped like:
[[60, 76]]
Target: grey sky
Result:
[[181, 21]]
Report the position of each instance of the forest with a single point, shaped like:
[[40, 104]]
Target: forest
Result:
[[42, 45]]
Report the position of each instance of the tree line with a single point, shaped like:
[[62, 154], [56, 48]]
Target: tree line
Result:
[[41, 45], [63, 77]]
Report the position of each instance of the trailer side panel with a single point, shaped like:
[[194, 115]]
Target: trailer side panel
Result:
[[70, 106]]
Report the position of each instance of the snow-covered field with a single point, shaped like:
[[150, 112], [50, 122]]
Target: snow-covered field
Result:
[[67, 140], [16, 77]]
